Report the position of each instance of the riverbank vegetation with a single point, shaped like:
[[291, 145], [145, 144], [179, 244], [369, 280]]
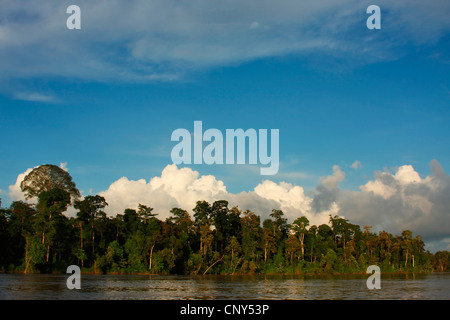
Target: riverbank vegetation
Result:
[[212, 239]]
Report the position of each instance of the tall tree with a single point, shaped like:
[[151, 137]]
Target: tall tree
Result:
[[219, 215], [21, 220], [406, 245], [299, 226], [51, 205], [280, 226], [292, 246], [202, 221], [153, 237], [47, 177], [269, 241], [145, 212], [89, 210], [251, 234]]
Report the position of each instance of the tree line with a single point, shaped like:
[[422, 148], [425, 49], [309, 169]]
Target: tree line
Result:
[[214, 239]]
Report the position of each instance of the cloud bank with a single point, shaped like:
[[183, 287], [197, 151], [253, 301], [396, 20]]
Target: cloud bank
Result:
[[391, 201]]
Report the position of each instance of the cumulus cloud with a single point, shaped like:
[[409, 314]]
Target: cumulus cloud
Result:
[[392, 201], [183, 187], [402, 200], [327, 191], [15, 193], [174, 188]]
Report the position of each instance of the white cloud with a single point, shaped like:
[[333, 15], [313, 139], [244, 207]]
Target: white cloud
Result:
[[402, 200], [183, 187], [333, 180], [162, 39], [254, 25], [175, 188], [15, 192], [63, 165], [36, 97], [356, 165], [392, 201]]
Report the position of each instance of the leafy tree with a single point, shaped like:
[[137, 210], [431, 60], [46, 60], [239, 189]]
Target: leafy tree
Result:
[[269, 241], [20, 219], [36, 253], [145, 212], [312, 240], [219, 215], [202, 221], [251, 234], [202, 213], [51, 205], [5, 255], [299, 226], [153, 236], [41, 238], [90, 209], [292, 247], [441, 261], [114, 256], [280, 226], [406, 245], [234, 249], [47, 177]]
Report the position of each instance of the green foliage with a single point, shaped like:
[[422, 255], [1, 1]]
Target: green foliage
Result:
[[214, 240], [47, 177]]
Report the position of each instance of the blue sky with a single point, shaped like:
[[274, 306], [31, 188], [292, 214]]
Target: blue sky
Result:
[[105, 99]]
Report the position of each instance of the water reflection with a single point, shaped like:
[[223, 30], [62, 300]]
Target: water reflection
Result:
[[419, 286]]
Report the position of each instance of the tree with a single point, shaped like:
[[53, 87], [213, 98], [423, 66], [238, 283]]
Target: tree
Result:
[[51, 205], [202, 221], [343, 231], [292, 246], [89, 210], [41, 238], [441, 261], [21, 219], [202, 213], [234, 248], [145, 212], [312, 240], [384, 243], [5, 254], [219, 215], [269, 240], [406, 245], [299, 227], [47, 177], [153, 236], [251, 234], [184, 225], [280, 227]]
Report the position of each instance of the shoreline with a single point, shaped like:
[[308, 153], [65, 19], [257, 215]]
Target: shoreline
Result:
[[229, 274]]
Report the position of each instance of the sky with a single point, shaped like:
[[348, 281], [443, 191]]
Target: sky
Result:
[[362, 114]]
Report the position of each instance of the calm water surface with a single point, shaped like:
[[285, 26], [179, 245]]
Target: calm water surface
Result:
[[419, 286]]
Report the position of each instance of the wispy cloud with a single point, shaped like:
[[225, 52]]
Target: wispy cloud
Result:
[[162, 40], [36, 97]]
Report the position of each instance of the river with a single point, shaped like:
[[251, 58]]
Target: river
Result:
[[435, 286]]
